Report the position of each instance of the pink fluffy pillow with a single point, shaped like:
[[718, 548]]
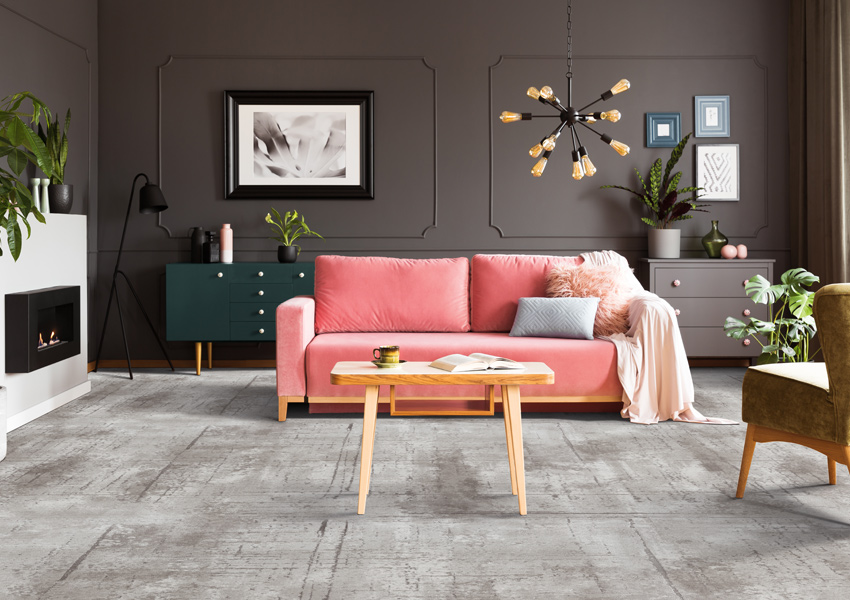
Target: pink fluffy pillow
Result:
[[606, 283]]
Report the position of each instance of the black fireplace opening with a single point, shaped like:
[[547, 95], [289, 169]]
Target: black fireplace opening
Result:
[[42, 328]]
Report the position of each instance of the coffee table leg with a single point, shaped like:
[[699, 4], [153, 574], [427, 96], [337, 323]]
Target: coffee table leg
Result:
[[370, 415], [516, 437], [507, 416]]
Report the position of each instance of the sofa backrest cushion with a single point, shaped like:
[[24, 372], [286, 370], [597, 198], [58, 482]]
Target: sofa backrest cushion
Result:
[[500, 280], [370, 293]]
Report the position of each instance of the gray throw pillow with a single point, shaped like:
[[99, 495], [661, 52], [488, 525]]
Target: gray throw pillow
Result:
[[555, 318]]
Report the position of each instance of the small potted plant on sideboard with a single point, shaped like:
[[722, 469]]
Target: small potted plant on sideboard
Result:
[[287, 230]]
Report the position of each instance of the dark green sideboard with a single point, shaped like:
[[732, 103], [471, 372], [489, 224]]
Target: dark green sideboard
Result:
[[229, 302]]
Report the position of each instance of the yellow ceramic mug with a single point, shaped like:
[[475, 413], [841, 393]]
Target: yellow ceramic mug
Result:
[[386, 354]]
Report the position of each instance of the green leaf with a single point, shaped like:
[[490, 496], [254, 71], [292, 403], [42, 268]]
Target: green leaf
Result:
[[648, 221], [675, 155], [801, 303], [759, 289], [17, 161], [17, 131], [655, 183], [13, 235], [620, 187]]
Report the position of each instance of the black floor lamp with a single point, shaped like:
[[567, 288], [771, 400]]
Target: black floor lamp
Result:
[[151, 200]]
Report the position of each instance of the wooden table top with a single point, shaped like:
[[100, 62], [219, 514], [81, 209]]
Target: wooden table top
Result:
[[365, 373]]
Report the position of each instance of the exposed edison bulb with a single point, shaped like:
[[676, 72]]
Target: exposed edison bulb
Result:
[[591, 120], [547, 92], [509, 117], [533, 92], [620, 147], [549, 143], [578, 172], [621, 86], [611, 115], [536, 151], [589, 169], [537, 170]]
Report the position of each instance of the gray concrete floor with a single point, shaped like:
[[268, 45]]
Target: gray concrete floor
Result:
[[177, 486]]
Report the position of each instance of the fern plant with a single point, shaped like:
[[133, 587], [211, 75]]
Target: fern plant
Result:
[[661, 196]]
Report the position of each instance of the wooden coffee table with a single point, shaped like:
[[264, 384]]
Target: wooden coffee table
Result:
[[419, 373]]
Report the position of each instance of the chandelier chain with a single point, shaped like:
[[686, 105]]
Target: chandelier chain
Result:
[[569, 39]]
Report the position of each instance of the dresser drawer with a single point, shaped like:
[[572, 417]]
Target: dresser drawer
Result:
[[712, 342], [704, 282], [254, 312], [260, 292], [252, 332], [264, 273], [303, 278], [699, 312]]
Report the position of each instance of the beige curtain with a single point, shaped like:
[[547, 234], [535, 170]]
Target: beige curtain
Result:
[[819, 115]]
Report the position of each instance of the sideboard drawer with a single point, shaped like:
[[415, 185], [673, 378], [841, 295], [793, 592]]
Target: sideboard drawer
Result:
[[697, 312], [252, 332], [704, 282], [260, 292], [254, 312], [262, 273], [712, 342]]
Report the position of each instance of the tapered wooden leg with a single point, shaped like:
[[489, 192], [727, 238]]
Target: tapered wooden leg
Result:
[[370, 415], [831, 466], [746, 460], [209, 355], [507, 416], [847, 457], [516, 438], [282, 404], [198, 357]]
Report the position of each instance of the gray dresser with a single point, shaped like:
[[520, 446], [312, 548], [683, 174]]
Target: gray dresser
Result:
[[704, 291]]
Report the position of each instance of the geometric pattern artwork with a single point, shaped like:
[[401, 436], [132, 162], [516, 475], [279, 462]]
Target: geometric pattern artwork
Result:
[[571, 318], [718, 171]]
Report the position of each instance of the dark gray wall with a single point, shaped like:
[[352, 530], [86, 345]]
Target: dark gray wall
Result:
[[442, 71], [51, 51]]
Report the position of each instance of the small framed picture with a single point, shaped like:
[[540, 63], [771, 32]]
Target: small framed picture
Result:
[[718, 169], [711, 116], [663, 130]]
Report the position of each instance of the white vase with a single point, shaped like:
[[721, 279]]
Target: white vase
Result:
[[45, 201], [664, 243]]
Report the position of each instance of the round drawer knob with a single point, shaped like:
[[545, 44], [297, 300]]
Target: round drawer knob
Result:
[[260, 293], [301, 274], [260, 274], [221, 274], [262, 312], [746, 342], [677, 312], [745, 282], [746, 312], [262, 330], [676, 283]]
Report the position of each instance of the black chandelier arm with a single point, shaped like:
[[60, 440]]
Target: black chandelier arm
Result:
[[573, 138], [578, 138], [600, 99], [591, 128]]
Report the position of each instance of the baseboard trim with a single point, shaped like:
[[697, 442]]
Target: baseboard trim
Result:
[[186, 364], [42, 408]]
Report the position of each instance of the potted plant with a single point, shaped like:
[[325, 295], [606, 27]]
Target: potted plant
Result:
[[287, 230], [20, 145], [55, 138], [790, 325], [661, 196]]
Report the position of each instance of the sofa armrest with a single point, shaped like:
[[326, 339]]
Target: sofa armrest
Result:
[[296, 327]]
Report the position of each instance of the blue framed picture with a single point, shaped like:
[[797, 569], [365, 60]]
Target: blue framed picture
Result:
[[711, 116], [663, 130]]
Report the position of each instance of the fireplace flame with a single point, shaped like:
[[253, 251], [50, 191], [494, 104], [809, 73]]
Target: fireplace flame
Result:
[[53, 338], [41, 343]]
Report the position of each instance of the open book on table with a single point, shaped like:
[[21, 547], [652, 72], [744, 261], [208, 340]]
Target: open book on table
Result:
[[477, 361]]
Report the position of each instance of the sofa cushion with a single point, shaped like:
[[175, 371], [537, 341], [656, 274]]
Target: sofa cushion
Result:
[[570, 318], [582, 367], [369, 293], [500, 280], [610, 283]]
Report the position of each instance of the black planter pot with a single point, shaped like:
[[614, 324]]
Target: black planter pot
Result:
[[61, 198], [287, 254]]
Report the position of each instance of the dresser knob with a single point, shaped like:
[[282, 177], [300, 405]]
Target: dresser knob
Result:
[[676, 283], [260, 293], [221, 274], [746, 342], [677, 312], [745, 282], [262, 330], [301, 274], [260, 273], [746, 312]]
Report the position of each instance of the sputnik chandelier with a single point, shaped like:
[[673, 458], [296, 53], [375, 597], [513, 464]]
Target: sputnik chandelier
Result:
[[570, 118]]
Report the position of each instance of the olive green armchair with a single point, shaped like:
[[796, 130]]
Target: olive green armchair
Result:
[[805, 403]]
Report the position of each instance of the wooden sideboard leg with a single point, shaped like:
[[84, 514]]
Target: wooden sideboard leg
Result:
[[370, 415], [514, 407], [282, 403], [198, 357], [209, 355], [507, 416]]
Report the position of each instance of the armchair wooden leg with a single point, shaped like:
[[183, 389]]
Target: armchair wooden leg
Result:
[[746, 460], [282, 403], [831, 465], [847, 456]]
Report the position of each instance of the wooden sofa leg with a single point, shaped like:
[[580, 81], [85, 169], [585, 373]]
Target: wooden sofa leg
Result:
[[746, 460], [282, 403], [831, 466]]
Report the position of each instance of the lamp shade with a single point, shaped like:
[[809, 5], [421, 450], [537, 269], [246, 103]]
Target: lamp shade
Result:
[[151, 199]]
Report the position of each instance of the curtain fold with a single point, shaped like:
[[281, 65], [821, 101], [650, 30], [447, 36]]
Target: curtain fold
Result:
[[819, 137]]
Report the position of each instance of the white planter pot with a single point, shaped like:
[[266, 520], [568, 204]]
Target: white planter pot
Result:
[[2, 423], [664, 243]]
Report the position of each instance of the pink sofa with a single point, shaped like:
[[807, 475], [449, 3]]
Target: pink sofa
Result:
[[430, 308]]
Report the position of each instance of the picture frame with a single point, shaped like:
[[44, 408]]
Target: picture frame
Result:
[[663, 130], [711, 116], [718, 172], [306, 145]]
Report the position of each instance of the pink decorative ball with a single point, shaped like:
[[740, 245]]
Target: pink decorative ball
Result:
[[742, 251], [728, 251]]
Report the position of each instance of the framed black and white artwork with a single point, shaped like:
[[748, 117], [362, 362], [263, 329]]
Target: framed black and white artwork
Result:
[[718, 171], [299, 145]]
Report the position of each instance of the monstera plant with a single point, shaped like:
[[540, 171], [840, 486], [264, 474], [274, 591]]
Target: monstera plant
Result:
[[20, 145]]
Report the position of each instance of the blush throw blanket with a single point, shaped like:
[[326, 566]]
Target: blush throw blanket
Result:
[[651, 361]]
